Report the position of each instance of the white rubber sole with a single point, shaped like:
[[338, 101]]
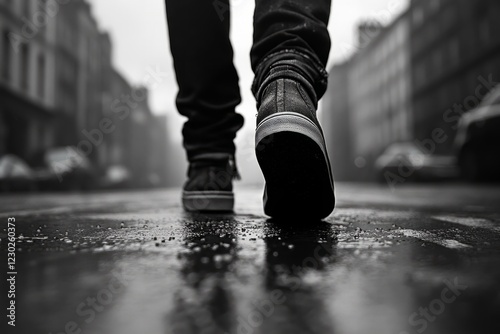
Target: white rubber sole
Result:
[[208, 201], [291, 122], [292, 154]]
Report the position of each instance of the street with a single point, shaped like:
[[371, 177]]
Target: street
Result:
[[417, 259]]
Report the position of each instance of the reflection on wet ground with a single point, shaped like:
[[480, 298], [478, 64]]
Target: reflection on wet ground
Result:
[[131, 264]]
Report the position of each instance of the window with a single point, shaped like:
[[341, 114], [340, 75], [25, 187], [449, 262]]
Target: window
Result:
[[420, 74], [434, 5], [8, 3], [454, 48], [418, 16], [26, 8], [41, 76], [6, 56], [449, 17], [437, 61], [24, 66], [42, 6], [484, 31]]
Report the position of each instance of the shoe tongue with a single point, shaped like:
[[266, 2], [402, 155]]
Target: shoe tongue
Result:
[[284, 70], [217, 163]]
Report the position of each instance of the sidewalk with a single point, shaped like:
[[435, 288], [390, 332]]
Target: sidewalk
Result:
[[421, 258]]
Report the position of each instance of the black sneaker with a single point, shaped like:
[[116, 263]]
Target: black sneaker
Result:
[[209, 187], [291, 151]]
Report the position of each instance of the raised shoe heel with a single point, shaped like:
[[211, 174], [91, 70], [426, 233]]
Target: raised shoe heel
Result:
[[292, 155]]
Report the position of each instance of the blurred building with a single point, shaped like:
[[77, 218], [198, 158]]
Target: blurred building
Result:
[[455, 50], [370, 98], [134, 138], [160, 169], [58, 87], [380, 93], [336, 118], [53, 58], [142, 125], [28, 99], [115, 151], [83, 65], [411, 81]]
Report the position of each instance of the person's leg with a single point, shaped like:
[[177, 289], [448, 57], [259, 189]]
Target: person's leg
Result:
[[294, 31], [208, 82], [208, 95], [291, 46]]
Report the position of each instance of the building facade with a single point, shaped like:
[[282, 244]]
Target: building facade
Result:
[[118, 141], [27, 87], [336, 117], [369, 99], [380, 93], [137, 139], [455, 52], [53, 62], [416, 77], [160, 170], [82, 75], [58, 87]]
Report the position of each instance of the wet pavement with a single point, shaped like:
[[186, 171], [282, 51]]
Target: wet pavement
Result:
[[413, 260]]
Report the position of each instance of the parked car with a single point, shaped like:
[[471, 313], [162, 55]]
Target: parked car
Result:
[[477, 143], [15, 174], [405, 160], [64, 168]]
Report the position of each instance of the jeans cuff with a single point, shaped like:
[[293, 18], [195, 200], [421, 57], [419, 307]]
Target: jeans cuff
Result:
[[305, 63], [211, 156]]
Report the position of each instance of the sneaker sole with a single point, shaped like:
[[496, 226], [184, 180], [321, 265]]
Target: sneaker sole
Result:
[[208, 201], [292, 154]]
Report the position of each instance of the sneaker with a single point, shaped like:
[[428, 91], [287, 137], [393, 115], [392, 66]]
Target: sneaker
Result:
[[209, 187], [291, 151]]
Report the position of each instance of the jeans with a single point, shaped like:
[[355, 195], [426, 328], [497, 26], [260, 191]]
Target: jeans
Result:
[[290, 32]]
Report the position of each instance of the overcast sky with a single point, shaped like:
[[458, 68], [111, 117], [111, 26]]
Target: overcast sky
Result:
[[141, 49]]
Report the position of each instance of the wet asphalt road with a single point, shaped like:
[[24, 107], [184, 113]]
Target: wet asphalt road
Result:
[[420, 259]]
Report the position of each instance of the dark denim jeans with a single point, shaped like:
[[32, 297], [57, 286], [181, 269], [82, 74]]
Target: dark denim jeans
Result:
[[291, 32]]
